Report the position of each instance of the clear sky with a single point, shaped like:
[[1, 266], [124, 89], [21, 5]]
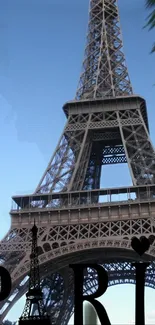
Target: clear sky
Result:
[[42, 45]]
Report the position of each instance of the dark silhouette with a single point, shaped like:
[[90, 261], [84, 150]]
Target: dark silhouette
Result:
[[79, 297], [140, 245], [34, 296], [5, 283]]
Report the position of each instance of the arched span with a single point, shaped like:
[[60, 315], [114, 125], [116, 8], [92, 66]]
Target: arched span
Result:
[[116, 261], [63, 252]]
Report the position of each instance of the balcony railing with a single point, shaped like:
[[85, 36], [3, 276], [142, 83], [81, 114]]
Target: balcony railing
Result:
[[126, 195]]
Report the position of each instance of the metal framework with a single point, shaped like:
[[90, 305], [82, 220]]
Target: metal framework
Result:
[[34, 296], [77, 220], [104, 69], [99, 132]]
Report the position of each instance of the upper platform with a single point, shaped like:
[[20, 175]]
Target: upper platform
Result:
[[107, 104], [86, 197]]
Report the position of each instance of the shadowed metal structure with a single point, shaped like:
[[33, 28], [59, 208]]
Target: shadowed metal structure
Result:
[[34, 296], [77, 220]]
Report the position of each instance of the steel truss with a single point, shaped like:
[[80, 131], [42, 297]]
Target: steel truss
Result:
[[118, 272], [104, 69], [58, 286], [77, 221], [107, 242], [107, 132]]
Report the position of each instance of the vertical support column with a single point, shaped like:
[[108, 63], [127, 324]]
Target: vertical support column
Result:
[[125, 149], [81, 154]]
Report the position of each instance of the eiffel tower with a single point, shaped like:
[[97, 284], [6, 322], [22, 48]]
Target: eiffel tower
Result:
[[77, 220], [34, 296]]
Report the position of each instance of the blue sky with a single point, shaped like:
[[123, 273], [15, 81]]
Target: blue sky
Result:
[[42, 46]]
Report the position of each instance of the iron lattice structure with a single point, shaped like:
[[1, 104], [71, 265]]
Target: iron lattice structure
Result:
[[77, 220], [104, 68], [34, 296]]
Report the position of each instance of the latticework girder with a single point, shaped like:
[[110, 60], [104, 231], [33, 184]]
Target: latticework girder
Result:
[[118, 273], [104, 69], [106, 132], [58, 297], [107, 242], [77, 220]]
